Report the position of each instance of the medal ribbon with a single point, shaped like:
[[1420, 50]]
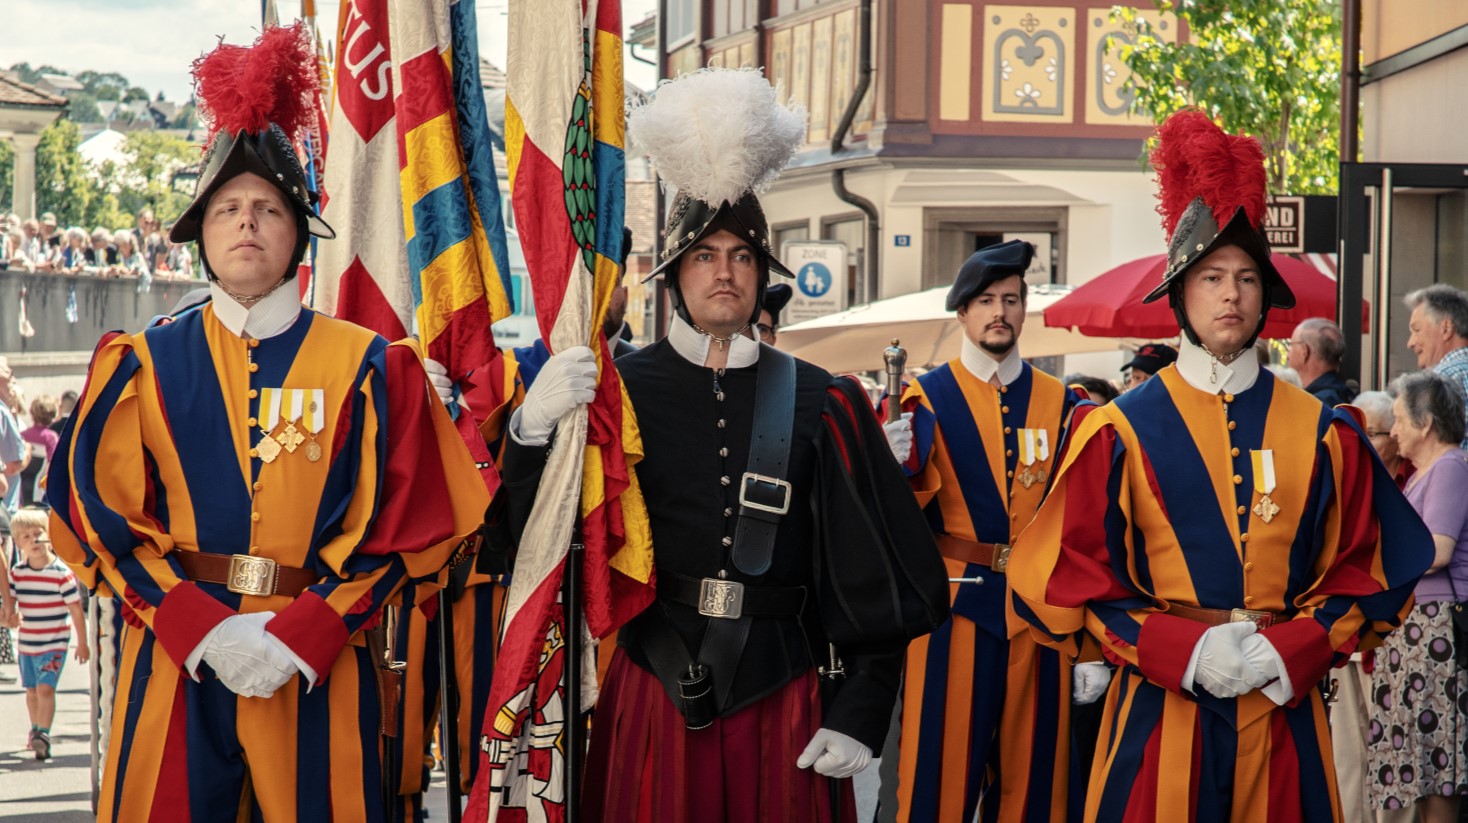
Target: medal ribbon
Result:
[[1027, 446], [1264, 479], [315, 417], [269, 409], [294, 404]]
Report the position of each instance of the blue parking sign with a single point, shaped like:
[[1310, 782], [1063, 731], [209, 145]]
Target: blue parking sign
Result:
[[814, 279]]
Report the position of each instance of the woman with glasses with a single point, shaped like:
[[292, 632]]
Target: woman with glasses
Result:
[[767, 329]]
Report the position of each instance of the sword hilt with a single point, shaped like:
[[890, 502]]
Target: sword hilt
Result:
[[895, 359]]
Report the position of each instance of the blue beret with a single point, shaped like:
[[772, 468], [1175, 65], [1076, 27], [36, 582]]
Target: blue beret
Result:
[[986, 266]]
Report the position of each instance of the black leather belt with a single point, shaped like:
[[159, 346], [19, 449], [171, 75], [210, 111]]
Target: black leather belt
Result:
[[759, 601], [764, 491]]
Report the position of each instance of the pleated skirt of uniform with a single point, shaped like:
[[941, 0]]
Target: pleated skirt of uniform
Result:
[[1163, 757], [645, 766], [190, 752]]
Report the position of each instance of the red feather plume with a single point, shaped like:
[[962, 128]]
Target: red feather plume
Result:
[[1195, 158], [249, 87]]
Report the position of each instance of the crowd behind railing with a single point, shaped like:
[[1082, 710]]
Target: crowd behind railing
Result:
[[141, 252]]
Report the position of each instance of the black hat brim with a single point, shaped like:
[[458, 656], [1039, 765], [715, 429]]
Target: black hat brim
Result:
[[1202, 238], [228, 161], [696, 220]]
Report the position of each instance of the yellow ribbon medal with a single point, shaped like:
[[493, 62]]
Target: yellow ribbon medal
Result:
[[1264, 481], [313, 419], [1034, 446], [268, 448]]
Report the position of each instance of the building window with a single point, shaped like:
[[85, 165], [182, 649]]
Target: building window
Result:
[[682, 20], [789, 233]]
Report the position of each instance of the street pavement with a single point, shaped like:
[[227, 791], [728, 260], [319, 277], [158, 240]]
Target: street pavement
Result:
[[59, 790]]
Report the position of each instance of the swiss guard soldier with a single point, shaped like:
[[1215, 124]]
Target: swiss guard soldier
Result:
[[786, 544], [1226, 537], [985, 716], [254, 481]]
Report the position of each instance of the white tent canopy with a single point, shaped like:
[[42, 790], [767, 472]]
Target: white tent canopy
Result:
[[853, 340]]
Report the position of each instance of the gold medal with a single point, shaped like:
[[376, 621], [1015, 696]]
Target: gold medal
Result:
[[313, 451], [1041, 475], [268, 449], [1027, 477], [290, 437], [1266, 508]]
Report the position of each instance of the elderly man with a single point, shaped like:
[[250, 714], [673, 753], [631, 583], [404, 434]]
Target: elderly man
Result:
[[987, 430], [1224, 536], [1316, 349], [780, 523], [1439, 332], [254, 481]]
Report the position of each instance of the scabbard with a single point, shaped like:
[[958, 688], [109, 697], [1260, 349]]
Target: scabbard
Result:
[[389, 684]]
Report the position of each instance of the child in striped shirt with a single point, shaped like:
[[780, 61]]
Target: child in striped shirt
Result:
[[45, 594]]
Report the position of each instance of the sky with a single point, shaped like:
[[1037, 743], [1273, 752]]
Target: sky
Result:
[[153, 42]]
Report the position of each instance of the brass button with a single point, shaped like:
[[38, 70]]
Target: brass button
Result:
[[259, 485], [254, 344], [1004, 409], [1009, 452], [254, 550], [254, 367], [1244, 538], [1243, 510], [252, 421], [1234, 451], [254, 452], [1233, 424], [1249, 566], [1007, 430], [1004, 390], [255, 517], [1009, 474], [1238, 480], [1249, 601], [254, 394], [1014, 515], [1228, 398]]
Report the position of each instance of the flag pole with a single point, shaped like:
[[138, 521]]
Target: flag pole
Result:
[[575, 727], [448, 722]]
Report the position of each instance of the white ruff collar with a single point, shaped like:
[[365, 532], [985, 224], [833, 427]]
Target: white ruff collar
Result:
[[1198, 368], [694, 345], [271, 315], [984, 367]]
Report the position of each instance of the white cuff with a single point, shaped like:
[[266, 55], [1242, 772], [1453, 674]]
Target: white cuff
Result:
[[306, 671], [515, 431], [1192, 670], [191, 663]]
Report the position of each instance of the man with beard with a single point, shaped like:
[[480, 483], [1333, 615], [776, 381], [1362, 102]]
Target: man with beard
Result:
[[984, 435], [1225, 536]]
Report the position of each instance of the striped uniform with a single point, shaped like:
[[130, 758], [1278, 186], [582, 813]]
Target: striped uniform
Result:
[[162, 459], [967, 731], [43, 596], [1156, 505]]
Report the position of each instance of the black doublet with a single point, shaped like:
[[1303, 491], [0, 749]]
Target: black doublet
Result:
[[694, 511]]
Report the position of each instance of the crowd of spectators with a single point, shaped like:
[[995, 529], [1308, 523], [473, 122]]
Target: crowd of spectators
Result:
[[141, 252]]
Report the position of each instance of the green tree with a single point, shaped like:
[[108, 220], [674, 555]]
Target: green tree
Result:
[[1268, 68], [62, 184], [7, 174], [153, 157]]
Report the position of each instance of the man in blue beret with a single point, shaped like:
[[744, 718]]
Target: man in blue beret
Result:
[[980, 440]]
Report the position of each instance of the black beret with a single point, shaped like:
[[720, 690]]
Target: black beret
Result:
[[777, 296], [986, 266], [1152, 358]]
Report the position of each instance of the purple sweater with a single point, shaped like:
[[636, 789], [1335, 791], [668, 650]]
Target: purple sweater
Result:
[[1440, 496]]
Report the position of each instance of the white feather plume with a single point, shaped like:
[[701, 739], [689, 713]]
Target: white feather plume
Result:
[[717, 133]]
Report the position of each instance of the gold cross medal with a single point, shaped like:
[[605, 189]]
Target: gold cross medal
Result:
[[293, 408], [1264, 481], [1034, 449], [312, 419], [268, 449]]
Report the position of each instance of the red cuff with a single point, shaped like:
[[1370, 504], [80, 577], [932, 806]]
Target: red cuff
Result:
[[186, 614], [1305, 647], [313, 630], [1164, 647]]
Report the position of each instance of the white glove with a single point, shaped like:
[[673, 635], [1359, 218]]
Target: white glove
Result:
[[245, 661], [1219, 665], [438, 375], [899, 437], [834, 754], [1263, 656], [567, 380], [1088, 681]]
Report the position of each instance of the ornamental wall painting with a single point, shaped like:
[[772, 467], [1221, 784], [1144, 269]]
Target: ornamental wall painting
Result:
[[1109, 98], [1029, 71]]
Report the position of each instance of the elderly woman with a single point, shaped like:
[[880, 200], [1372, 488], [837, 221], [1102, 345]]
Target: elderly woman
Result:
[[1418, 725], [130, 259], [1376, 407]]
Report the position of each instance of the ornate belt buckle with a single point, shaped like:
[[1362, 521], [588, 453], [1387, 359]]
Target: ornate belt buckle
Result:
[[249, 574], [1261, 619], [751, 479], [721, 598], [1001, 557]]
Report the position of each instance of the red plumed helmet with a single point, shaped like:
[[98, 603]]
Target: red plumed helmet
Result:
[[249, 87], [1195, 158]]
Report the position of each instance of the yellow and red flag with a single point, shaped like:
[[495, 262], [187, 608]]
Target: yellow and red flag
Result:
[[564, 137]]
